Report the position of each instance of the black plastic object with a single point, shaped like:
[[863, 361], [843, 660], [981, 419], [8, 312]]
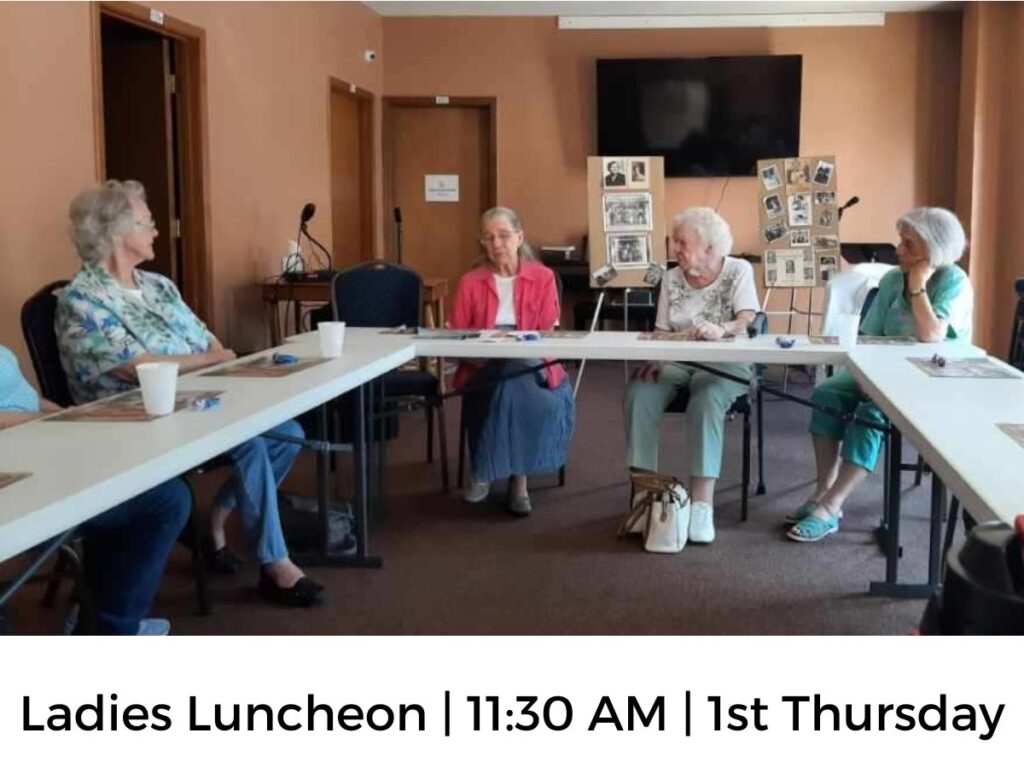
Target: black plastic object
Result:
[[983, 593]]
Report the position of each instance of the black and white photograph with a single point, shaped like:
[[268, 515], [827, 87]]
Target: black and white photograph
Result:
[[800, 210], [604, 275], [826, 241], [828, 265], [772, 206], [770, 178], [653, 274], [826, 217], [627, 211], [630, 251], [823, 173], [798, 173], [824, 198], [799, 237], [614, 173], [793, 268], [638, 172], [774, 231]]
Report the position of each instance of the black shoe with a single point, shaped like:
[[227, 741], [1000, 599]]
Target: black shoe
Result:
[[222, 560], [302, 594]]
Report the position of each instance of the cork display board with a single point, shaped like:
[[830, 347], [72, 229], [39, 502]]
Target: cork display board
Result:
[[798, 218], [626, 218]]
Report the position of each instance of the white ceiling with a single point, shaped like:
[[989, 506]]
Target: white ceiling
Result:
[[642, 7]]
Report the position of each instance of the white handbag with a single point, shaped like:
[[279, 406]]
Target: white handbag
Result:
[[660, 512]]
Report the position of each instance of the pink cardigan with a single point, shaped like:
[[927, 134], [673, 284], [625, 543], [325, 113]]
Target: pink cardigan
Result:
[[536, 300]]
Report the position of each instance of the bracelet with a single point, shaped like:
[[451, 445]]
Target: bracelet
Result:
[[912, 294]]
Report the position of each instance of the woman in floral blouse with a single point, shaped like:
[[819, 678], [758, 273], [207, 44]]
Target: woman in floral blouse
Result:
[[113, 316]]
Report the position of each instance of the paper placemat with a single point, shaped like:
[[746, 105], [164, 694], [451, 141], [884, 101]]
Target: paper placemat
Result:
[[1015, 431], [126, 407], [889, 341], [676, 336], [266, 368], [10, 478], [963, 368]]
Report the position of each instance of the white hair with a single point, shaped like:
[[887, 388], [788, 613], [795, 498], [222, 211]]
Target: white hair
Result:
[[941, 232], [101, 213], [525, 252], [711, 228]]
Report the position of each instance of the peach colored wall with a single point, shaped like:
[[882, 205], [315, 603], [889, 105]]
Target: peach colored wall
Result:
[[883, 100], [991, 180], [268, 66]]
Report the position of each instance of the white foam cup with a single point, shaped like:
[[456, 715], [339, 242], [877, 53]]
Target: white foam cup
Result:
[[159, 382], [332, 339], [848, 327]]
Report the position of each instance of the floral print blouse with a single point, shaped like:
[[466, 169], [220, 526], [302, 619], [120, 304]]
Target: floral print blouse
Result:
[[101, 326]]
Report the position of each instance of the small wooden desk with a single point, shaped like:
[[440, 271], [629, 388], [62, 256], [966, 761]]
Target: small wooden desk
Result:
[[275, 292]]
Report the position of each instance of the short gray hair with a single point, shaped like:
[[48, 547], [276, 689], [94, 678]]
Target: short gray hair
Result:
[[500, 212], [711, 228], [101, 213], [941, 232]]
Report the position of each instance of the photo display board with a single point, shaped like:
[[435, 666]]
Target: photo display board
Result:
[[799, 220], [626, 217]]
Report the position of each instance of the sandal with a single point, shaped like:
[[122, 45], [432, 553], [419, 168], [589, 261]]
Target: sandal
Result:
[[813, 528], [802, 512]]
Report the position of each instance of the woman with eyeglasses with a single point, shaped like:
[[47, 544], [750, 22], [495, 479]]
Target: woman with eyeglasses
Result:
[[114, 316], [519, 422]]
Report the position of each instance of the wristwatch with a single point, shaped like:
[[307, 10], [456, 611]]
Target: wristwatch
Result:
[[912, 294]]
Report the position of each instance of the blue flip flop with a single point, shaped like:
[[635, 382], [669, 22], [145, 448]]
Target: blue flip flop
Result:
[[813, 528]]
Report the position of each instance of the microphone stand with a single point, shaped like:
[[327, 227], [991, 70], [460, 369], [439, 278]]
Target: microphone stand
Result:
[[330, 260]]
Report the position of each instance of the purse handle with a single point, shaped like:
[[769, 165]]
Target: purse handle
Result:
[[651, 485]]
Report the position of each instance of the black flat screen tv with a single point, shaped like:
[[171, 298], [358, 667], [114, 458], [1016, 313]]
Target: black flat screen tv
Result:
[[707, 117]]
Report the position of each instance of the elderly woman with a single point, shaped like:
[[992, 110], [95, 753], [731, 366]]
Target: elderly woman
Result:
[[928, 298], [114, 316], [518, 425], [126, 548], [710, 295]]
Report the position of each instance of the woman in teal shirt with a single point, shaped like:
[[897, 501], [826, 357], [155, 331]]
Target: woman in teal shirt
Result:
[[929, 298]]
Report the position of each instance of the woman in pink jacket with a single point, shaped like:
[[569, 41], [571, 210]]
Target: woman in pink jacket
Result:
[[518, 425]]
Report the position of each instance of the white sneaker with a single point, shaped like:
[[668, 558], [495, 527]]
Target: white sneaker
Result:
[[476, 491], [702, 525], [147, 627]]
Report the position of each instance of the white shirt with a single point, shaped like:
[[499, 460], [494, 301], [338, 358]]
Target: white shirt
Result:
[[681, 306], [506, 300]]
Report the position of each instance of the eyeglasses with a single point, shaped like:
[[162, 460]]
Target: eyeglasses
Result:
[[501, 237], [146, 224]]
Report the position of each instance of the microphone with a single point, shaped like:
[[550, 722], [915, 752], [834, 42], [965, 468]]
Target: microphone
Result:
[[758, 325], [848, 204], [398, 215], [308, 211]]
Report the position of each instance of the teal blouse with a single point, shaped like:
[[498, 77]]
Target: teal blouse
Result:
[[948, 291], [101, 326], [16, 394]]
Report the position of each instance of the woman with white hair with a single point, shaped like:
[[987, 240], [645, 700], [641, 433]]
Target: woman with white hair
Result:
[[114, 316], [710, 295], [928, 298]]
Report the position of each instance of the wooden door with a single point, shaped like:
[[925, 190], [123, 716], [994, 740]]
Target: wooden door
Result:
[[351, 132], [439, 238], [139, 128]]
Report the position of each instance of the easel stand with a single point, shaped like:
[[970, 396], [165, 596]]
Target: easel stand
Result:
[[594, 325]]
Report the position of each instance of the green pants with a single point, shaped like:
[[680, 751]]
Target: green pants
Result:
[[861, 444], [710, 398]]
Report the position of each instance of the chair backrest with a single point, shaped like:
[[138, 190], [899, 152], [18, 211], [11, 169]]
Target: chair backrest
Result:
[[377, 294], [37, 316], [869, 299], [1016, 356]]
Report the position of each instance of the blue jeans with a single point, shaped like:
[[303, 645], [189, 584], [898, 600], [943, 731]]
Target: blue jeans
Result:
[[260, 465], [126, 549]]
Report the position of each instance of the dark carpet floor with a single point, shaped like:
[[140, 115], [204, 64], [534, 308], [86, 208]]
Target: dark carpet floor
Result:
[[454, 568]]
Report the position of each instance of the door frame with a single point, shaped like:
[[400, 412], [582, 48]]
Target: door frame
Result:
[[390, 103], [367, 167], [193, 136]]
